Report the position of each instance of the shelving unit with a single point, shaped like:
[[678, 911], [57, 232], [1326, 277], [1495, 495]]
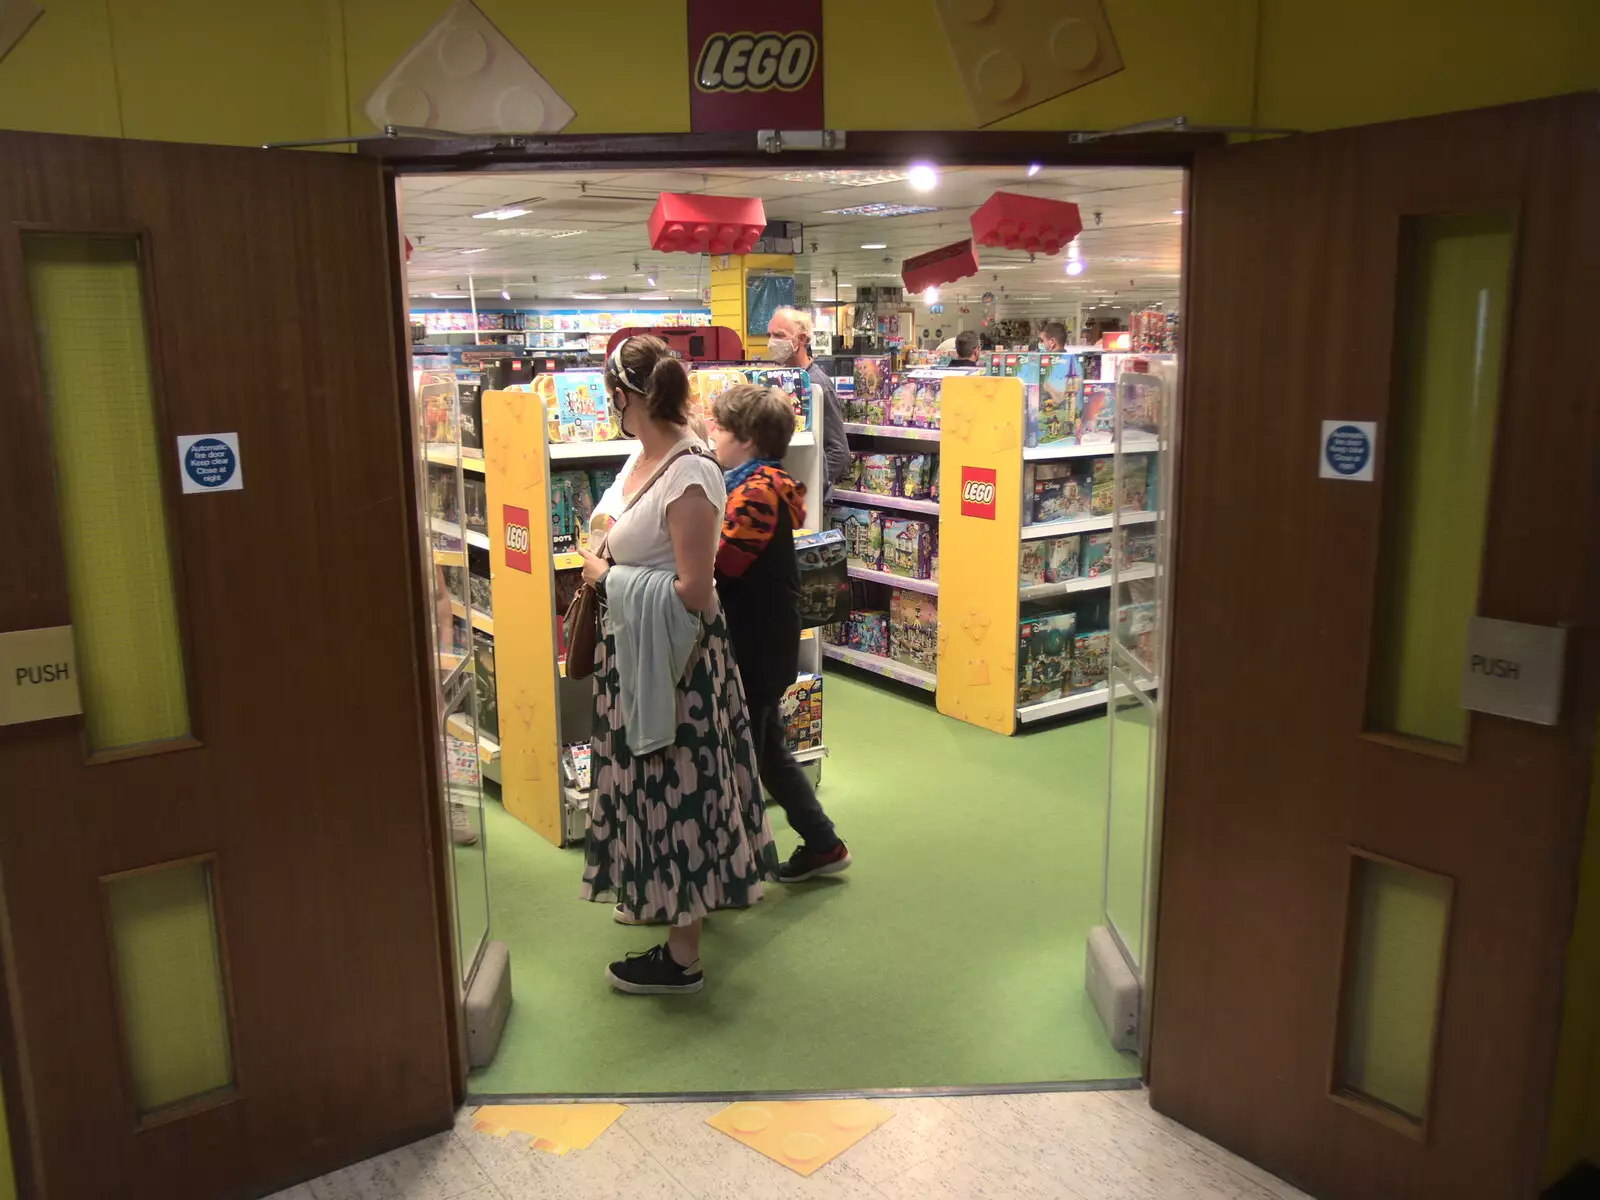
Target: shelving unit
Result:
[[873, 500], [880, 665], [928, 587], [1050, 529], [903, 432], [541, 709]]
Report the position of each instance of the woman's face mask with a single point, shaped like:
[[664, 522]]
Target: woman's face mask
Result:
[[780, 349]]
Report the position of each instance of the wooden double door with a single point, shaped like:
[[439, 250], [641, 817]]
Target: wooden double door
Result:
[[224, 958]]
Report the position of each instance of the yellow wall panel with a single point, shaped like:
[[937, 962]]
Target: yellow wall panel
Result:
[[235, 74], [981, 427], [61, 77], [517, 473], [1416, 59]]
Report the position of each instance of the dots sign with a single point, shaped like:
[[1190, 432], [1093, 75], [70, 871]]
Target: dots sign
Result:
[[1348, 449], [209, 462]]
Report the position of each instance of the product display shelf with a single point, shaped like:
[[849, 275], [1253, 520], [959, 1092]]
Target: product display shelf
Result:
[[480, 621], [907, 432], [1084, 583], [445, 456], [984, 423], [472, 536], [1050, 529], [1054, 451], [873, 500], [488, 748], [928, 587], [540, 707], [879, 664]]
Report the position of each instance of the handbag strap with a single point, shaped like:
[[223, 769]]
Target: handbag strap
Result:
[[691, 448]]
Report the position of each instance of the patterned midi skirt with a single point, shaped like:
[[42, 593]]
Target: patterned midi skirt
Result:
[[680, 832]]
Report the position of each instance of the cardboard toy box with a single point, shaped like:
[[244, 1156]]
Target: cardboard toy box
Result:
[[1044, 657], [863, 534], [914, 629], [868, 632], [1096, 559], [1090, 651], [908, 547], [801, 711], [1059, 491], [1097, 415], [1051, 560]]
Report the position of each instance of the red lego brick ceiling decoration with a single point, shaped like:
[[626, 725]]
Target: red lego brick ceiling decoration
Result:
[[1025, 223], [698, 224], [944, 265]]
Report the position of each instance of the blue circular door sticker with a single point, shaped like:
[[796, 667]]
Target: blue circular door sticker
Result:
[[210, 462], [1348, 450]]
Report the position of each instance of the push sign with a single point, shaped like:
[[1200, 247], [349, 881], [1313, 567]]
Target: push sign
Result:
[[1514, 670]]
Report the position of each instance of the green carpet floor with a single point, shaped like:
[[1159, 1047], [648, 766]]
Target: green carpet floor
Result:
[[950, 954]]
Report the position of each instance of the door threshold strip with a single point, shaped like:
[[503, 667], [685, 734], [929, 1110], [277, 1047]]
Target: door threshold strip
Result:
[[730, 1097]]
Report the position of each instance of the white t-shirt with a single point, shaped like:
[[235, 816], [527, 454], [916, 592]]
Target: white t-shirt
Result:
[[639, 537]]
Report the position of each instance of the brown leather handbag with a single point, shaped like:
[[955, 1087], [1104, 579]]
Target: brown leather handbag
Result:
[[582, 622]]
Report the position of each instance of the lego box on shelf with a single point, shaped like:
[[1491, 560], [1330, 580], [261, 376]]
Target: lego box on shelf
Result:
[[1059, 491], [863, 534], [1096, 554], [908, 547], [1089, 653], [1044, 656], [913, 629], [868, 632]]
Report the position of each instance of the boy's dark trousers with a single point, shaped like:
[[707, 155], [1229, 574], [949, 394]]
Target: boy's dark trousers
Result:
[[785, 782]]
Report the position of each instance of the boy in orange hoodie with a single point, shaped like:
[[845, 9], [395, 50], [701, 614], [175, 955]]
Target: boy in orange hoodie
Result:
[[758, 579]]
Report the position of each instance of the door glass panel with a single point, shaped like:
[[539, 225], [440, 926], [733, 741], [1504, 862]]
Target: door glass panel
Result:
[[1127, 822], [170, 986], [464, 796], [1399, 921], [88, 310], [1452, 299]]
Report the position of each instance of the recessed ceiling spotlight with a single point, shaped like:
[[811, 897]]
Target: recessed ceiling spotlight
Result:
[[922, 177], [1033, 169], [650, 280], [874, 245], [1177, 212], [595, 276], [930, 295], [1074, 266], [501, 214], [505, 294]]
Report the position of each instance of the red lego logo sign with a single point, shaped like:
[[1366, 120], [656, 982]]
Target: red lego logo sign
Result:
[[977, 492], [519, 540], [754, 66]]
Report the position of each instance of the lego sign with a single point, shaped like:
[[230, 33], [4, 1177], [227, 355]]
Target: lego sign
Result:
[[977, 492], [754, 66], [519, 539]]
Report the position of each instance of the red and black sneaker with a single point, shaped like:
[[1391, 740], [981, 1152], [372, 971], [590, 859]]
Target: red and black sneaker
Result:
[[806, 864]]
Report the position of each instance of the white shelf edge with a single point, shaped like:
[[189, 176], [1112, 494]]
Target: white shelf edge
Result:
[[906, 432], [620, 448], [1091, 450], [1051, 529], [878, 665], [871, 500], [480, 540], [1044, 591], [1094, 697], [814, 754], [928, 587]]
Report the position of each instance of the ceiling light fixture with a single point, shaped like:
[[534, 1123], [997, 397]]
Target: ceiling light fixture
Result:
[[842, 178], [477, 250], [930, 295], [501, 214], [922, 177], [650, 280], [1074, 266], [1177, 212], [529, 231], [594, 276], [1033, 169], [882, 210], [874, 245], [505, 293]]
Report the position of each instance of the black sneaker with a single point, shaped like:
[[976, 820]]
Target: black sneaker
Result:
[[654, 973], [806, 864]]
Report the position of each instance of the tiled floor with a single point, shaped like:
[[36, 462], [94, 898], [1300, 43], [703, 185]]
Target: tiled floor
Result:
[[1074, 1145]]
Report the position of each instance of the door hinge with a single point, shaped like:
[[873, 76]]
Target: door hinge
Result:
[[775, 141]]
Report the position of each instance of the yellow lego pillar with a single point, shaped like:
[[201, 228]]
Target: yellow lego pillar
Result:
[[980, 520], [516, 468], [729, 272]]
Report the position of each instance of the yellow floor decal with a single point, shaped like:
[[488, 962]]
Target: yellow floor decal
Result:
[[555, 1128], [801, 1134]]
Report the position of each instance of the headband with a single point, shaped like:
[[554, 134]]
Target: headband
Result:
[[618, 369]]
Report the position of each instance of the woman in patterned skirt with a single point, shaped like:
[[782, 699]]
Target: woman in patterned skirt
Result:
[[679, 831]]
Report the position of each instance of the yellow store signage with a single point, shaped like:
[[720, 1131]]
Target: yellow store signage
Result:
[[38, 675]]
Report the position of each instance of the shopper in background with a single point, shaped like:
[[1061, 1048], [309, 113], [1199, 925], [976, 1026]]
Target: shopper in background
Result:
[[759, 581], [966, 354], [676, 831], [789, 345], [1053, 337]]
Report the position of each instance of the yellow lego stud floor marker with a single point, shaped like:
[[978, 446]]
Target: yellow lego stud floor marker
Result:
[[554, 1128], [802, 1135]]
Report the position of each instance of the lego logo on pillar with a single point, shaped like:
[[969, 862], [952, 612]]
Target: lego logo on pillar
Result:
[[977, 492], [519, 539], [743, 78]]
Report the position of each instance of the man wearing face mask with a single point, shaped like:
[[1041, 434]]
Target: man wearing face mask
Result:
[[789, 345]]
